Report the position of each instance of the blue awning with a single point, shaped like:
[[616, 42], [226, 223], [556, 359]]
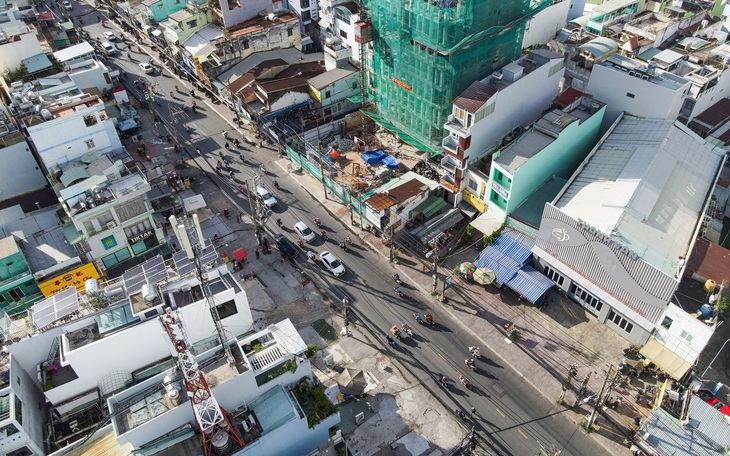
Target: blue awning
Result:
[[505, 256], [530, 284]]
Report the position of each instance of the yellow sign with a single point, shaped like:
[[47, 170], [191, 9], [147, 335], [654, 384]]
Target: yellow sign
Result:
[[474, 200], [76, 278]]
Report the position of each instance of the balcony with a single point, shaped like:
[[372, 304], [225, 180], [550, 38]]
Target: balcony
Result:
[[455, 125], [449, 183], [451, 164], [450, 144]]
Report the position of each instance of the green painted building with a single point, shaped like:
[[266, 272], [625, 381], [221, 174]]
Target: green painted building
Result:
[[18, 287], [426, 53]]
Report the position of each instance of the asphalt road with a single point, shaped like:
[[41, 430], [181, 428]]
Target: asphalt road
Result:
[[502, 400]]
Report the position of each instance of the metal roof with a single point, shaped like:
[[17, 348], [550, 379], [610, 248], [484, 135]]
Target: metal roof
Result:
[[475, 96], [600, 46], [329, 77], [642, 188]]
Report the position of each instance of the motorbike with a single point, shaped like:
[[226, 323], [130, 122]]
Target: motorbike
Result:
[[475, 352], [465, 382], [396, 277], [318, 222], [391, 341], [396, 332], [460, 414], [429, 320], [407, 329], [418, 318], [471, 364], [324, 235], [276, 185], [444, 382], [312, 256], [262, 168], [343, 245], [398, 292], [300, 243]]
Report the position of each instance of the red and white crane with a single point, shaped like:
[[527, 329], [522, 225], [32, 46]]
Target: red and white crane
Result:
[[211, 418]]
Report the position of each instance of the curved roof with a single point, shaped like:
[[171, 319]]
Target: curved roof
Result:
[[600, 46]]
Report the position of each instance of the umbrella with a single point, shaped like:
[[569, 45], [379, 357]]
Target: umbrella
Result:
[[352, 381], [467, 268], [483, 276], [239, 254]]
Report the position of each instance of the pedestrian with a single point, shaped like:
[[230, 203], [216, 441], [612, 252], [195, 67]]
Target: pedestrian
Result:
[[240, 217], [473, 411], [258, 254]]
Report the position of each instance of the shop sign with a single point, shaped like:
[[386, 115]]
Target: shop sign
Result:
[[141, 236]]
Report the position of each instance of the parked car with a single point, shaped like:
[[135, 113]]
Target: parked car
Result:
[[304, 232], [66, 4], [334, 265], [110, 36], [266, 197], [147, 68], [285, 247], [108, 48]]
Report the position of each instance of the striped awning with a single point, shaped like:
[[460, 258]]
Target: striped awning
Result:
[[505, 256], [530, 284]]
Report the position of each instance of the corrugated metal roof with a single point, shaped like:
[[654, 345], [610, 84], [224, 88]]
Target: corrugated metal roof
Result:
[[530, 284], [505, 256], [474, 96], [380, 201], [329, 77]]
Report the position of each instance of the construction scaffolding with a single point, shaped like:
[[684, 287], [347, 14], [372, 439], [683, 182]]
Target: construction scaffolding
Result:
[[425, 53]]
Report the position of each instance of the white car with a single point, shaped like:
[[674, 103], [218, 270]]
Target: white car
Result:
[[108, 48], [147, 68], [110, 36], [304, 232], [66, 4], [266, 197], [334, 265]]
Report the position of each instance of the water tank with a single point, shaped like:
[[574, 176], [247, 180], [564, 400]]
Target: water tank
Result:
[[221, 443], [96, 193], [705, 310], [651, 69], [710, 286], [148, 292], [171, 389], [92, 287], [46, 114]]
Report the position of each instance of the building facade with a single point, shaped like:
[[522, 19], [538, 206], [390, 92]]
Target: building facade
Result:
[[426, 53], [18, 287], [623, 258]]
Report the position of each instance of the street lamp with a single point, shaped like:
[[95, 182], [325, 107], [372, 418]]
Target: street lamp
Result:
[[713, 359]]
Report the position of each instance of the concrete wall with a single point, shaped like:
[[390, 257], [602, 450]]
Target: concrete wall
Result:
[[33, 405], [712, 95], [19, 173], [289, 99], [249, 10], [96, 76], [650, 100], [546, 24], [18, 48]]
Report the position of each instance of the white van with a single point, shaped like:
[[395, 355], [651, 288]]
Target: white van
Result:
[[108, 48], [266, 197]]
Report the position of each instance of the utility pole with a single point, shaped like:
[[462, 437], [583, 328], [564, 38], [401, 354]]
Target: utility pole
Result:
[[254, 213], [391, 253], [584, 384], [435, 253], [572, 372], [598, 401]]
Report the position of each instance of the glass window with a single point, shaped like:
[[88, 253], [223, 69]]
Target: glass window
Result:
[[89, 144], [305, 4], [472, 185], [192, 24], [306, 16], [554, 275], [116, 257]]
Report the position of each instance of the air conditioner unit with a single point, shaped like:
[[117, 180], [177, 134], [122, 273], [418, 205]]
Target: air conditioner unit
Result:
[[39, 275], [110, 225]]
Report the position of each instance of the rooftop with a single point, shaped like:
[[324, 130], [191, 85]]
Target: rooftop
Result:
[[643, 189], [710, 261], [531, 209], [330, 77], [641, 71], [8, 247], [258, 24], [715, 115]]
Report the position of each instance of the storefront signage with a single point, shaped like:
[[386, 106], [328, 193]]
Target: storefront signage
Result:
[[474, 200], [74, 278], [500, 190], [606, 239], [401, 84], [141, 236]]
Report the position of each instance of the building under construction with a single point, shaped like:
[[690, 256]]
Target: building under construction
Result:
[[427, 52]]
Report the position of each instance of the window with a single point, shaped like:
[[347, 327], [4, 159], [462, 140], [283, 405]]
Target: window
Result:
[[667, 323], [159, 7], [305, 4], [227, 309], [290, 32], [16, 294], [116, 257], [90, 120], [89, 144], [326, 94], [630, 95], [246, 44], [473, 185], [620, 321], [343, 34], [306, 16], [24, 451], [459, 114], [482, 113], [553, 275], [686, 336], [593, 304], [191, 24]]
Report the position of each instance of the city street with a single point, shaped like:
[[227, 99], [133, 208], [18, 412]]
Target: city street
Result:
[[501, 397]]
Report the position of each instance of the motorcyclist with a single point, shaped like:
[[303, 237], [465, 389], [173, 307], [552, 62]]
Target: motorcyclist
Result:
[[300, 243], [279, 222], [317, 221], [429, 318], [176, 89], [172, 94], [396, 277], [324, 235], [470, 362], [444, 380], [311, 255], [276, 184], [474, 351], [419, 318], [398, 291]]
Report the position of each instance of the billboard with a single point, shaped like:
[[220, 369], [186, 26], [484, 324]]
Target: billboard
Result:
[[75, 277]]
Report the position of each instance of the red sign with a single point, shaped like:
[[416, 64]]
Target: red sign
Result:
[[401, 84]]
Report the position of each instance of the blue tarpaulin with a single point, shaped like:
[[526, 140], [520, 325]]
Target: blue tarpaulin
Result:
[[391, 162], [373, 157]]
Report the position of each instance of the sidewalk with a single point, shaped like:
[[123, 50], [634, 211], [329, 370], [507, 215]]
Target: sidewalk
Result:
[[550, 341]]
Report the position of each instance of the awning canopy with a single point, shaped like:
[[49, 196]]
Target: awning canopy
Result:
[[530, 284], [665, 359], [431, 206], [239, 254], [194, 203], [486, 223], [505, 256]]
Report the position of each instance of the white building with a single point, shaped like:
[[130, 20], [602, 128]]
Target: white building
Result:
[[18, 40], [492, 108], [114, 363], [617, 236], [543, 27], [89, 74], [331, 91], [390, 210], [110, 211], [627, 85], [307, 10], [19, 173]]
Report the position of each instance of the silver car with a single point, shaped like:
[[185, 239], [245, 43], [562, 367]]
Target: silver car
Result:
[[304, 232], [334, 265]]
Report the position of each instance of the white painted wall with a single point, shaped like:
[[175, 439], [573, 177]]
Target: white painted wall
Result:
[[312, 7], [651, 100], [290, 99], [33, 406], [63, 139], [712, 95], [349, 29], [91, 74], [546, 24], [249, 9], [19, 173], [577, 8], [20, 47]]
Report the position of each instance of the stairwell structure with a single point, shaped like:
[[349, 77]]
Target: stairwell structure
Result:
[[425, 53]]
